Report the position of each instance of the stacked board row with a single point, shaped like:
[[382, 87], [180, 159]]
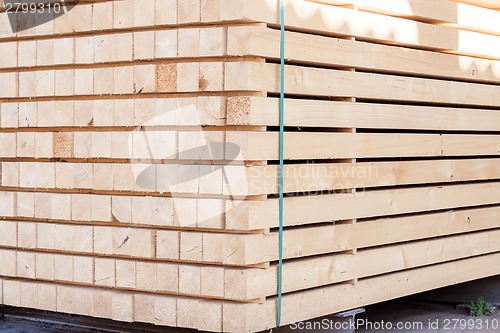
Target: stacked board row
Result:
[[139, 152]]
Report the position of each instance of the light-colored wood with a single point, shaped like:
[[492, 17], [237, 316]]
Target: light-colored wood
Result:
[[458, 15], [9, 260], [310, 145], [78, 239], [118, 47], [483, 3], [8, 144], [138, 149], [188, 11], [101, 15], [144, 45], [261, 41], [148, 112], [10, 58], [95, 17], [123, 14], [337, 298], [7, 206], [309, 81], [11, 85], [196, 78], [314, 17], [302, 145], [243, 181], [26, 265], [27, 54], [210, 10], [165, 12], [225, 244], [188, 42], [130, 275], [98, 207], [27, 84], [255, 215], [258, 111], [9, 115], [254, 317], [166, 44], [347, 236], [64, 82], [307, 273], [77, 20], [144, 13]]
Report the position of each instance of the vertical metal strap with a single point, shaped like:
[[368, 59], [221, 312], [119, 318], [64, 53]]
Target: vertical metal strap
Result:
[[282, 157]]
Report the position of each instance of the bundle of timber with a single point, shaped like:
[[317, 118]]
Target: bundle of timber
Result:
[[139, 156]]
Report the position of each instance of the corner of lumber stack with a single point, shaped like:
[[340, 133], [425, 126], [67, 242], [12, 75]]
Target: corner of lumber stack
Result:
[[139, 157]]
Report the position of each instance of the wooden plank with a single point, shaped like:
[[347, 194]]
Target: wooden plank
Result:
[[236, 245], [100, 16], [256, 76], [165, 12], [236, 249], [423, 11], [262, 111], [94, 18], [320, 19], [79, 14], [165, 211], [9, 115], [188, 11], [7, 205], [61, 237], [177, 111], [171, 43], [310, 273], [323, 301], [8, 144], [110, 273], [42, 83], [253, 317], [457, 15], [261, 215], [11, 85], [304, 145], [308, 15], [327, 51], [144, 13], [96, 216], [9, 52], [79, 19], [243, 180], [253, 283], [9, 260]]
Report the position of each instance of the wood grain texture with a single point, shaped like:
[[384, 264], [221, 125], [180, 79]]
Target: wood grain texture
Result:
[[258, 111], [139, 148], [238, 180], [318, 18], [324, 51], [258, 215], [466, 15], [310, 82]]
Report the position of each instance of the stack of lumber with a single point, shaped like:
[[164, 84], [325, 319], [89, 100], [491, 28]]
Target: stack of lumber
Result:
[[139, 157]]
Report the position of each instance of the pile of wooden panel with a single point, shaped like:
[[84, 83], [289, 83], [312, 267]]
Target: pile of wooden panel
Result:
[[139, 149]]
